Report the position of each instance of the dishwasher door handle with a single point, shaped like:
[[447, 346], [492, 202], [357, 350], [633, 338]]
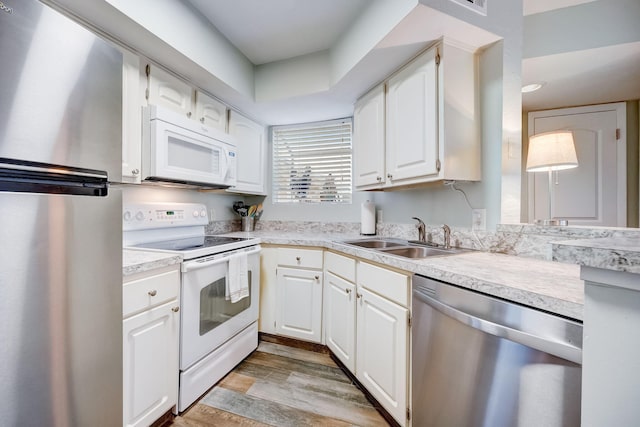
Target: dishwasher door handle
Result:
[[560, 349]]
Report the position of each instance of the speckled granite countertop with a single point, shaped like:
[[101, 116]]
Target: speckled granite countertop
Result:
[[611, 253], [134, 261], [549, 286]]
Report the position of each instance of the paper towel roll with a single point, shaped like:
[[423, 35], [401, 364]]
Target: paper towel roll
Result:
[[368, 218]]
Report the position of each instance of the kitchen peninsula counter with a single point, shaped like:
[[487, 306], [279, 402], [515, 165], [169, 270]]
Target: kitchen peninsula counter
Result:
[[551, 286], [134, 261]]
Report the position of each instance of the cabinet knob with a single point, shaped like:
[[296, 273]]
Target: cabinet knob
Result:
[[348, 291], [189, 114], [298, 258], [317, 278], [153, 293], [389, 176], [175, 309], [135, 171], [378, 178], [202, 120]]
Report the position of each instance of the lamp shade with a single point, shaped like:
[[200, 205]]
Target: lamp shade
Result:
[[551, 151]]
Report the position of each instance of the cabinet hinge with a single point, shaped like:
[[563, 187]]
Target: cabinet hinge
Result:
[[438, 165], [409, 321], [437, 57], [408, 414], [617, 133]]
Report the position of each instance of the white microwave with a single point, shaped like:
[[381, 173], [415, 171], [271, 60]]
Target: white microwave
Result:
[[179, 150]]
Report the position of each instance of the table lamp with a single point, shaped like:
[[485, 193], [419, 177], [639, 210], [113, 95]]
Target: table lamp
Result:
[[548, 152]]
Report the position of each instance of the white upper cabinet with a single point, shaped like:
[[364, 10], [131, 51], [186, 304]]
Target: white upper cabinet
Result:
[[428, 129], [166, 90], [251, 150], [368, 138], [412, 121], [211, 112]]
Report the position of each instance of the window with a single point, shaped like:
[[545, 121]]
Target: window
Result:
[[312, 162]]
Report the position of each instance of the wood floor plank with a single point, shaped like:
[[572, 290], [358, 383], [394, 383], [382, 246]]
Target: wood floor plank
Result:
[[200, 415], [299, 396], [265, 410], [344, 391], [276, 361], [296, 353], [237, 382]]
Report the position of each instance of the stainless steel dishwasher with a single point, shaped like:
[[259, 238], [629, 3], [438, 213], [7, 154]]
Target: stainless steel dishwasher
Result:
[[481, 361]]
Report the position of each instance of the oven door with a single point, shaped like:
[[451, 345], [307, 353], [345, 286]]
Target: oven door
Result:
[[208, 318]]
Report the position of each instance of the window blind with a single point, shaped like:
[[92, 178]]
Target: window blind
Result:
[[312, 162]]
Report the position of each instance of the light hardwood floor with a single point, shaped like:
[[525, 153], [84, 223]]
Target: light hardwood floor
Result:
[[283, 386]]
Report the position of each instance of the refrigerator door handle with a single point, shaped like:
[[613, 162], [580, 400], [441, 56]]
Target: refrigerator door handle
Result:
[[48, 168], [18, 176]]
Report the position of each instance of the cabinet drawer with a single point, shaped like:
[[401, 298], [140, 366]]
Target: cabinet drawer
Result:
[[389, 284], [304, 258], [341, 266], [150, 291]]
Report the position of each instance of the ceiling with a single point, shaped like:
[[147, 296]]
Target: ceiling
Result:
[[284, 29], [280, 29]]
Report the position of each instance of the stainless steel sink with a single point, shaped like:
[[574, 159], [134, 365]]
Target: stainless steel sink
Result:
[[403, 248], [417, 251], [374, 243]]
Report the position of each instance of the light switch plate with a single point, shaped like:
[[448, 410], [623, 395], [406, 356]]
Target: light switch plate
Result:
[[479, 219]]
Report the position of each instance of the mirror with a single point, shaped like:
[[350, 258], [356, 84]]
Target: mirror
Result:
[[578, 65]]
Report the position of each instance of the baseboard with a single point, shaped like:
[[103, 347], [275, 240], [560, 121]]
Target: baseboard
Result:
[[293, 342]]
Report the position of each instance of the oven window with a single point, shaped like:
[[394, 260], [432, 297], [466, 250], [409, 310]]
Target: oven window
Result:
[[215, 309]]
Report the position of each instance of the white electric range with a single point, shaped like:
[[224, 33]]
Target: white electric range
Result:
[[215, 334]]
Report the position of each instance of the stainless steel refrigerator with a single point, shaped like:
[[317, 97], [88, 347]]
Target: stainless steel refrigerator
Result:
[[60, 221]]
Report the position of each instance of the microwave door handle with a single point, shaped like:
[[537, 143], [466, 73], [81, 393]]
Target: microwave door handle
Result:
[[225, 170]]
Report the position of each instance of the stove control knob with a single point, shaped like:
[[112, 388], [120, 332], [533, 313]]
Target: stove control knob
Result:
[[203, 213], [127, 216], [196, 214], [140, 216]]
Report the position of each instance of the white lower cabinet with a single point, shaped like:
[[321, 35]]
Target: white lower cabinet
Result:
[[299, 304], [340, 319], [382, 359], [150, 332], [367, 327]]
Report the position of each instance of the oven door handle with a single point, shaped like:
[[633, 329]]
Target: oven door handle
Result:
[[196, 265]]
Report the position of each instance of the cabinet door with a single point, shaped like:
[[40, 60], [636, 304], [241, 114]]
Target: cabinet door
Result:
[[150, 353], [369, 139], [211, 112], [131, 118], [412, 125], [340, 319], [251, 150], [169, 91], [381, 352], [268, 290], [299, 305]]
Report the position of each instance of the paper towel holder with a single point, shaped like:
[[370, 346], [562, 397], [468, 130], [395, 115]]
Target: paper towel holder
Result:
[[367, 219]]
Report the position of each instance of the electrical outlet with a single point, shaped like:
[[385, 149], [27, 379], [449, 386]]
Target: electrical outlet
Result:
[[212, 215], [479, 219], [379, 216]]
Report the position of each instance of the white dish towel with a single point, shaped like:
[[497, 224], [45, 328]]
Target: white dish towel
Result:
[[237, 278]]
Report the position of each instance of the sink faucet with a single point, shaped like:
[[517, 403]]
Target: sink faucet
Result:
[[447, 236], [422, 236]]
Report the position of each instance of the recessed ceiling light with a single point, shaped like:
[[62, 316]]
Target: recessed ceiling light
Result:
[[532, 87]]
